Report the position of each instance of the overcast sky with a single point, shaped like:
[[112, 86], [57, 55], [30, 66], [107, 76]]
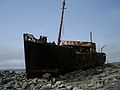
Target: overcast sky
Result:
[[42, 17]]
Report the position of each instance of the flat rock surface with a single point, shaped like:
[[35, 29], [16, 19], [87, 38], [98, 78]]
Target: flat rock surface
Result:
[[106, 77]]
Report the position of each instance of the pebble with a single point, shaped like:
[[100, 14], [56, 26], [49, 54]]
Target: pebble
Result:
[[76, 88], [61, 86], [37, 87], [106, 77], [58, 83], [46, 87], [69, 87], [46, 75], [90, 85]]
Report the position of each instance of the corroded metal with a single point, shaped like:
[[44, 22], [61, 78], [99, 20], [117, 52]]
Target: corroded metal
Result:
[[43, 57], [79, 43]]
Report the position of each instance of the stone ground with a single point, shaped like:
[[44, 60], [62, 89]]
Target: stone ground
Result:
[[106, 77]]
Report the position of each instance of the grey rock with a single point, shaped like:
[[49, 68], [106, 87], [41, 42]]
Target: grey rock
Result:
[[29, 82], [118, 76], [98, 71], [106, 77], [8, 86], [94, 81], [46, 87], [106, 81], [59, 83], [54, 86], [108, 71], [1, 87], [62, 77], [1, 75], [113, 83], [35, 80], [49, 85], [90, 71], [4, 81], [114, 79], [90, 85], [16, 85], [114, 71], [99, 85], [69, 87], [37, 87], [53, 80], [103, 75], [61, 86], [76, 88], [46, 75], [41, 81], [24, 85], [32, 86]]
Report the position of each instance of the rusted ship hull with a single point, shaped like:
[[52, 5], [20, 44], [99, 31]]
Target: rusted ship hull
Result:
[[50, 58], [43, 57]]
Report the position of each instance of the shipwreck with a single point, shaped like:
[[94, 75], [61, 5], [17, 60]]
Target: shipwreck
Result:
[[65, 56]]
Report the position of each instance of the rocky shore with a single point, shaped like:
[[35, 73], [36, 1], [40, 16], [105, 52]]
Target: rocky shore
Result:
[[106, 77]]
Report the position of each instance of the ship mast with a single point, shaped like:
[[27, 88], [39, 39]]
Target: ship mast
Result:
[[61, 23], [91, 37]]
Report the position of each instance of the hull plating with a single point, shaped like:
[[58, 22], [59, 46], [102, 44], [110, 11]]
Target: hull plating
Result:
[[49, 58]]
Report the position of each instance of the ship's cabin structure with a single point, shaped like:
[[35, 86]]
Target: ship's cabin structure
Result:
[[80, 46]]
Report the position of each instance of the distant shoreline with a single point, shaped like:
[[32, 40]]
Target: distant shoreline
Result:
[[24, 70], [16, 70]]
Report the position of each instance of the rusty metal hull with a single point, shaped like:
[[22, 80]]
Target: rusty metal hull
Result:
[[49, 58]]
